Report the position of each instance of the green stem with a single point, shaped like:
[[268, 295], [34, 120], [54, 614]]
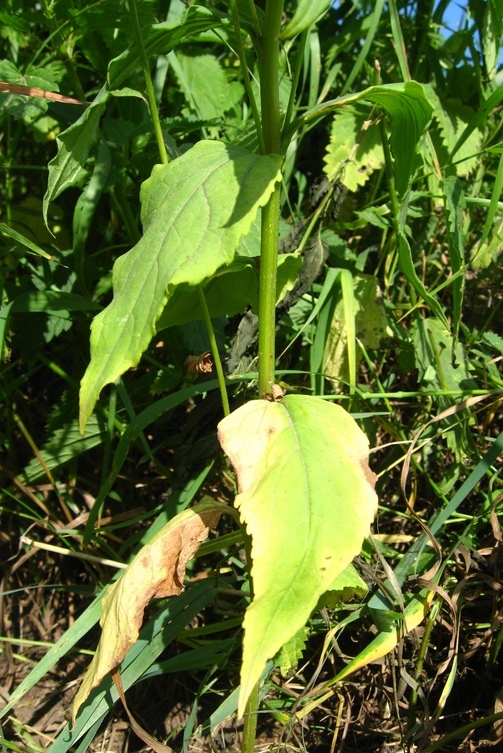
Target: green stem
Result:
[[214, 351], [271, 129], [148, 84], [267, 293]]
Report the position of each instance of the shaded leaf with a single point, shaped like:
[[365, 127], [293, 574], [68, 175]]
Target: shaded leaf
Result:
[[74, 146], [157, 571], [454, 202], [64, 445], [441, 361], [306, 496], [229, 292], [370, 326], [207, 87], [348, 585], [223, 187]]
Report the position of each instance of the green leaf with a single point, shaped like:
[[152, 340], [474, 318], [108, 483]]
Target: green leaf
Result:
[[348, 585], [27, 107], [408, 110], [491, 36], [64, 445], [407, 266], [74, 146], [453, 117], [307, 13], [23, 241], [454, 202], [162, 38], [195, 211], [369, 324], [353, 152], [306, 496], [207, 87], [52, 302], [229, 291], [442, 362]]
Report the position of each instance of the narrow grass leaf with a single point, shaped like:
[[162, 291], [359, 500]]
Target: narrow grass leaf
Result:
[[454, 202]]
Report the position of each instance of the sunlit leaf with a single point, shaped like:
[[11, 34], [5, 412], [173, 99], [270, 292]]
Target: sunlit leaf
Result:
[[194, 212], [306, 496]]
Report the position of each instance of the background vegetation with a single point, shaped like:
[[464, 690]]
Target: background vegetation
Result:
[[411, 345]]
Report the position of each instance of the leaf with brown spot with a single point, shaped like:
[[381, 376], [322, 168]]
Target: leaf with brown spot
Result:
[[306, 496], [157, 571]]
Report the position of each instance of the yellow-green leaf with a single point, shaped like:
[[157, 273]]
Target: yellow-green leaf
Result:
[[306, 496]]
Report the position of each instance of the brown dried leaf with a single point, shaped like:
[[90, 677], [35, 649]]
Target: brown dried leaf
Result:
[[157, 571]]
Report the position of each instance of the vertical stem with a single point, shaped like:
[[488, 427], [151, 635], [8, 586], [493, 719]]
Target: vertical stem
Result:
[[149, 86], [271, 131], [267, 292], [269, 94]]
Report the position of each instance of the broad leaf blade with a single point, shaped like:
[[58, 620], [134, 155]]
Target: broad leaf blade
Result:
[[306, 495], [194, 211]]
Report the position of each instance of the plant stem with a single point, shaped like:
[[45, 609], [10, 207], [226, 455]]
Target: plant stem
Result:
[[148, 84], [271, 131], [214, 351], [269, 93]]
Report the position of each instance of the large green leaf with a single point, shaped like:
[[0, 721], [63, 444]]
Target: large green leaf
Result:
[[194, 212], [306, 496]]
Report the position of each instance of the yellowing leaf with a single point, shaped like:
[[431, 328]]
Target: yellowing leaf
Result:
[[354, 149], [306, 495], [157, 571]]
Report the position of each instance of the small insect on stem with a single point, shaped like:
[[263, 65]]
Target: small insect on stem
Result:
[[200, 364], [276, 394]]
